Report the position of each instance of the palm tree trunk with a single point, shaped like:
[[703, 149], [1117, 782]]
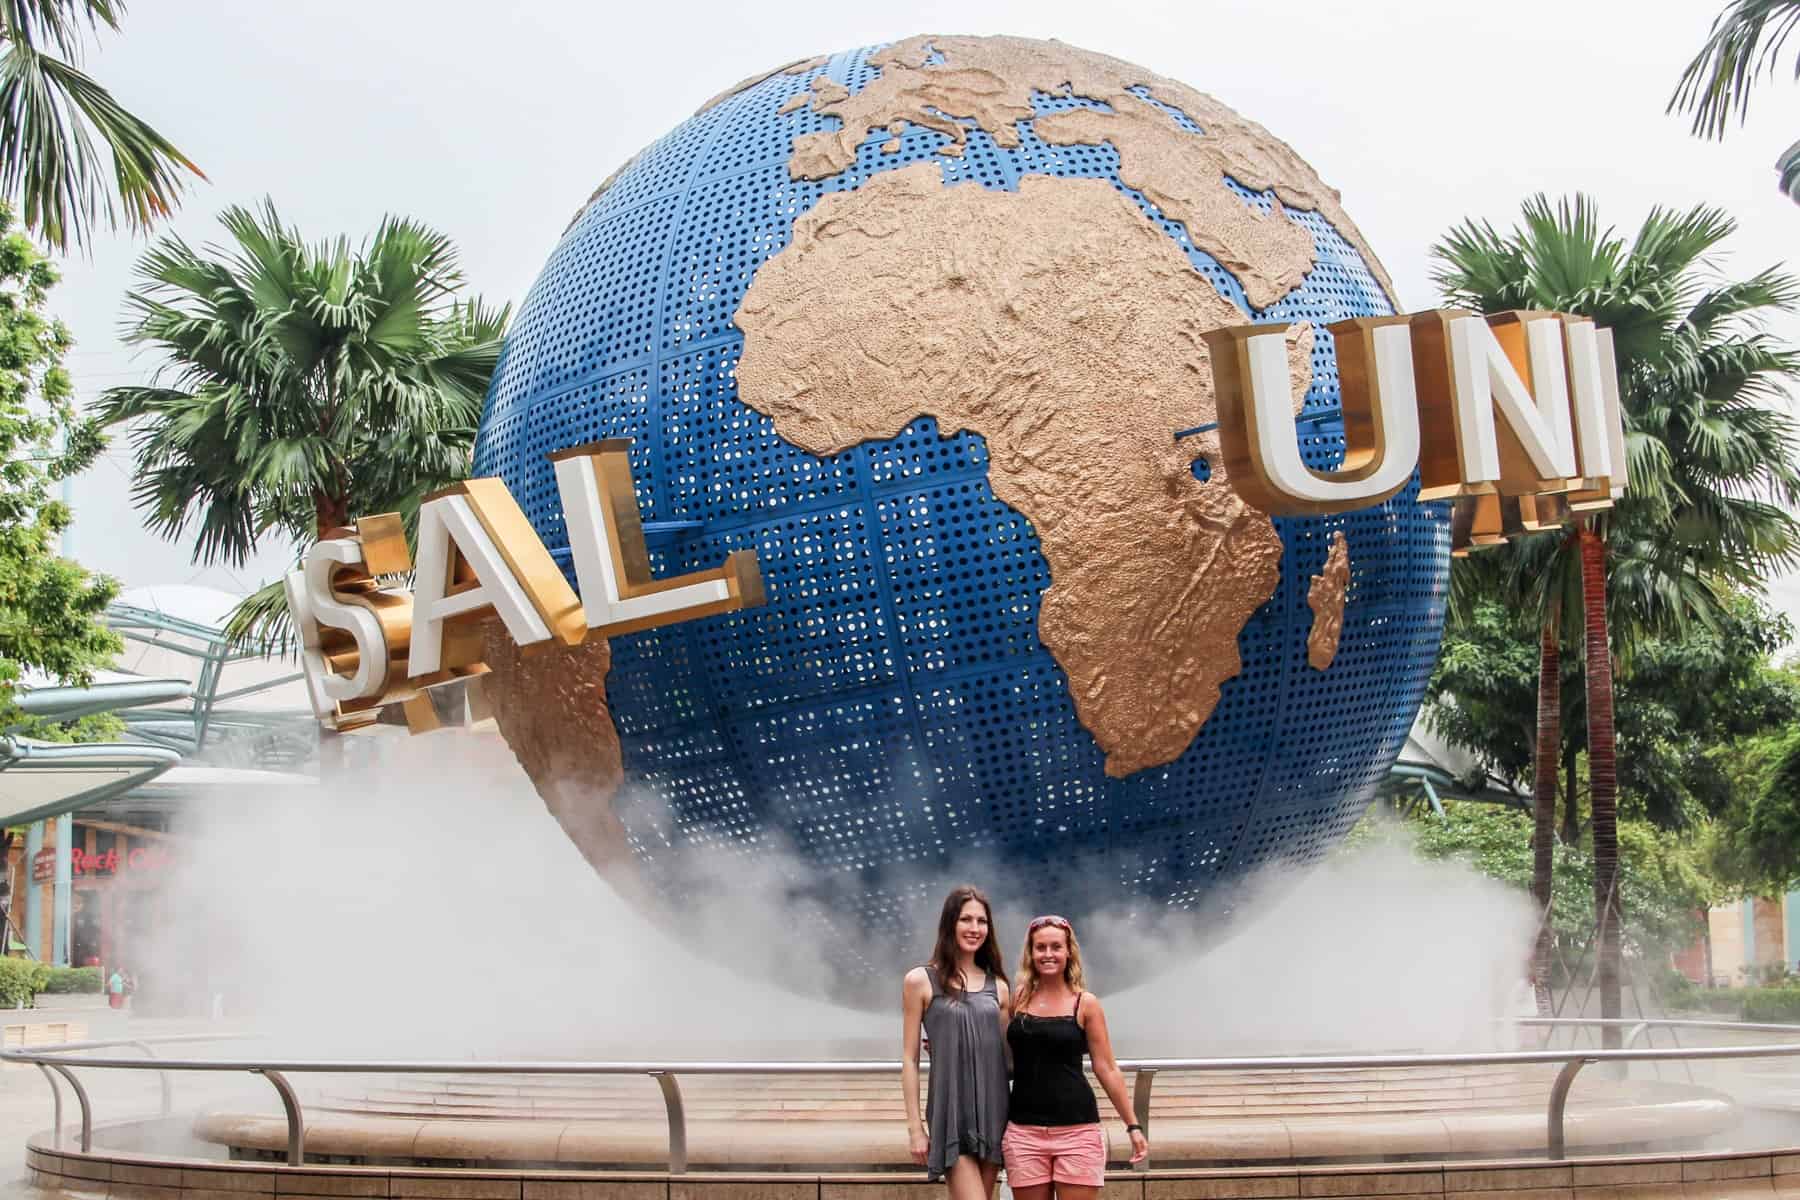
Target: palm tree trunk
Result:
[[1603, 789], [1543, 802], [330, 512]]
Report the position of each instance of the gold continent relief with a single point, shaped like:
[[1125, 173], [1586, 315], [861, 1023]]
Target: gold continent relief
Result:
[[1066, 330], [991, 81], [1326, 596], [1064, 326], [1059, 323]]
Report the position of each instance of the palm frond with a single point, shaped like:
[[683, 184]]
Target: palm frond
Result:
[[65, 24], [304, 380], [1713, 456], [261, 622], [62, 135], [1744, 45]]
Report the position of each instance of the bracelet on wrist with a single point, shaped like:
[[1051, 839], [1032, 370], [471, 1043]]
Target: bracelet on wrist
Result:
[[1134, 1129]]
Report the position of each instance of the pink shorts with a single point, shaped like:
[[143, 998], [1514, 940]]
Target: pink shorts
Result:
[[1038, 1154]]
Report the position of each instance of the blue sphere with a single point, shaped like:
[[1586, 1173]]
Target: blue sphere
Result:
[[890, 722]]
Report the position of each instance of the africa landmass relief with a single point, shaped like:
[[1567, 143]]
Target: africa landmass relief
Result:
[[1061, 324], [1065, 327]]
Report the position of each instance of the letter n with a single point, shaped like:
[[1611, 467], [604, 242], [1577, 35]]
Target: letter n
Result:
[[1493, 404]]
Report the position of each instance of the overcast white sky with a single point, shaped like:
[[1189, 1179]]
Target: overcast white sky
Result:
[[495, 122]]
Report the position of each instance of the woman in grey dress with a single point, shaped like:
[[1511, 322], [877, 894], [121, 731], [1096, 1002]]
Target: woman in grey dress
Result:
[[960, 999]]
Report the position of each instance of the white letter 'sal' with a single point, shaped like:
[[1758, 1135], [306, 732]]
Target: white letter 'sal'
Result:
[[312, 603], [1486, 382], [1277, 446], [447, 521]]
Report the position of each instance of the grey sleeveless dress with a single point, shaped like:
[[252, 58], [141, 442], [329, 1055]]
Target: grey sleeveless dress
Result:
[[965, 1108]]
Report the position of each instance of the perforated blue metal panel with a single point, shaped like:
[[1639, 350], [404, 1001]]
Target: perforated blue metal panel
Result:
[[890, 718]]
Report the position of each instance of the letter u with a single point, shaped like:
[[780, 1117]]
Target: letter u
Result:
[[1256, 416]]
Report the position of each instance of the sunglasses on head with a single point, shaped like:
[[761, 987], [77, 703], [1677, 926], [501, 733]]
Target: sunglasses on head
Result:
[[1038, 923]]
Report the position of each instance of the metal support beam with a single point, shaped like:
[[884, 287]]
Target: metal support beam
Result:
[[162, 1077], [677, 1121], [64, 898], [34, 898], [87, 1109], [56, 1111], [1437, 805], [1559, 1101], [296, 1120], [1140, 1104]]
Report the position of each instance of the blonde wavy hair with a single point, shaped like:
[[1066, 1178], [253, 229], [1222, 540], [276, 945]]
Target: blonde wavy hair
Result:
[[1027, 983]]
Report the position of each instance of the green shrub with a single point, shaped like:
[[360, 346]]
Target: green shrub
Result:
[[20, 980], [1778, 1004], [65, 981], [1724, 1001], [1674, 989]]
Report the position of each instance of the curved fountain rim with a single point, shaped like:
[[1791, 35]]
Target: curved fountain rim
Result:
[[60, 1062]]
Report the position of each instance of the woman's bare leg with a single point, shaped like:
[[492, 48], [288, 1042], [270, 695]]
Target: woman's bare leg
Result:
[[1037, 1191], [1075, 1191], [970, 1179]]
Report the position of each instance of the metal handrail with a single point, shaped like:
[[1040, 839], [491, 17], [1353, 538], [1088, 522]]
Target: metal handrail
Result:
[[60, 1059], [1661, 1023]]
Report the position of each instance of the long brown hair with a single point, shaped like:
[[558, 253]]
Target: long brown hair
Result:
[[1026, 985], [943, 957]]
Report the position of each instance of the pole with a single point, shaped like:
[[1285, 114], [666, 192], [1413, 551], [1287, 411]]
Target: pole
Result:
[[34, 894], [65, 891]]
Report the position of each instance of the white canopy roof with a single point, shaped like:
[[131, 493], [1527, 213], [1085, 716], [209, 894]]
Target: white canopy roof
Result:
[[43, 779]]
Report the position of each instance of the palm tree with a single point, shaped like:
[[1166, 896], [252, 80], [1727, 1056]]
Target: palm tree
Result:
[[1744, 45], [55, 123], [1711, 463], [306, 384]]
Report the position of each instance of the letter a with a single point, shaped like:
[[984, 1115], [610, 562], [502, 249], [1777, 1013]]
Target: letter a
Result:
[[467, 569]]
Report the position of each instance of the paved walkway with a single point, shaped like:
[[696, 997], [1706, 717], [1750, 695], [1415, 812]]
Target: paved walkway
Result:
[[25, 1103]]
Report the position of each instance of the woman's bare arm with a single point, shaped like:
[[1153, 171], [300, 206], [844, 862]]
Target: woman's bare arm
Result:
[[915, 995], [1106, 1069], [1005, 994]]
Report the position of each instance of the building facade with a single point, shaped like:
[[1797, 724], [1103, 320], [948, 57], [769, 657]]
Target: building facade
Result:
[[1747, 942]]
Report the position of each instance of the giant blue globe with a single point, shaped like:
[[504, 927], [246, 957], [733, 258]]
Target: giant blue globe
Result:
[[892, 719]]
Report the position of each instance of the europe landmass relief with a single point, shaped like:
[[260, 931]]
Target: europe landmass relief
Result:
[[1065, 327]]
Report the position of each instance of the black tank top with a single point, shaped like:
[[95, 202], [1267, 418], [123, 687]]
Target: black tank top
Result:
[[1048, 1086]]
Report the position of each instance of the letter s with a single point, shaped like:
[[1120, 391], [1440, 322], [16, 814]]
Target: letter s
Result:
[[313, 602]]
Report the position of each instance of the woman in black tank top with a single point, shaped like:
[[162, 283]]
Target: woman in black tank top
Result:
[[1054, 1144]]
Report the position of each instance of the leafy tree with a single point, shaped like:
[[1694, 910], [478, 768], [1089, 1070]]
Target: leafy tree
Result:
[[1755, 848], [307, 384], [1485, 695], [62, 135], [49, 607], [1744, 45], [1685, 698], [1711, 458], [1661, 877]]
